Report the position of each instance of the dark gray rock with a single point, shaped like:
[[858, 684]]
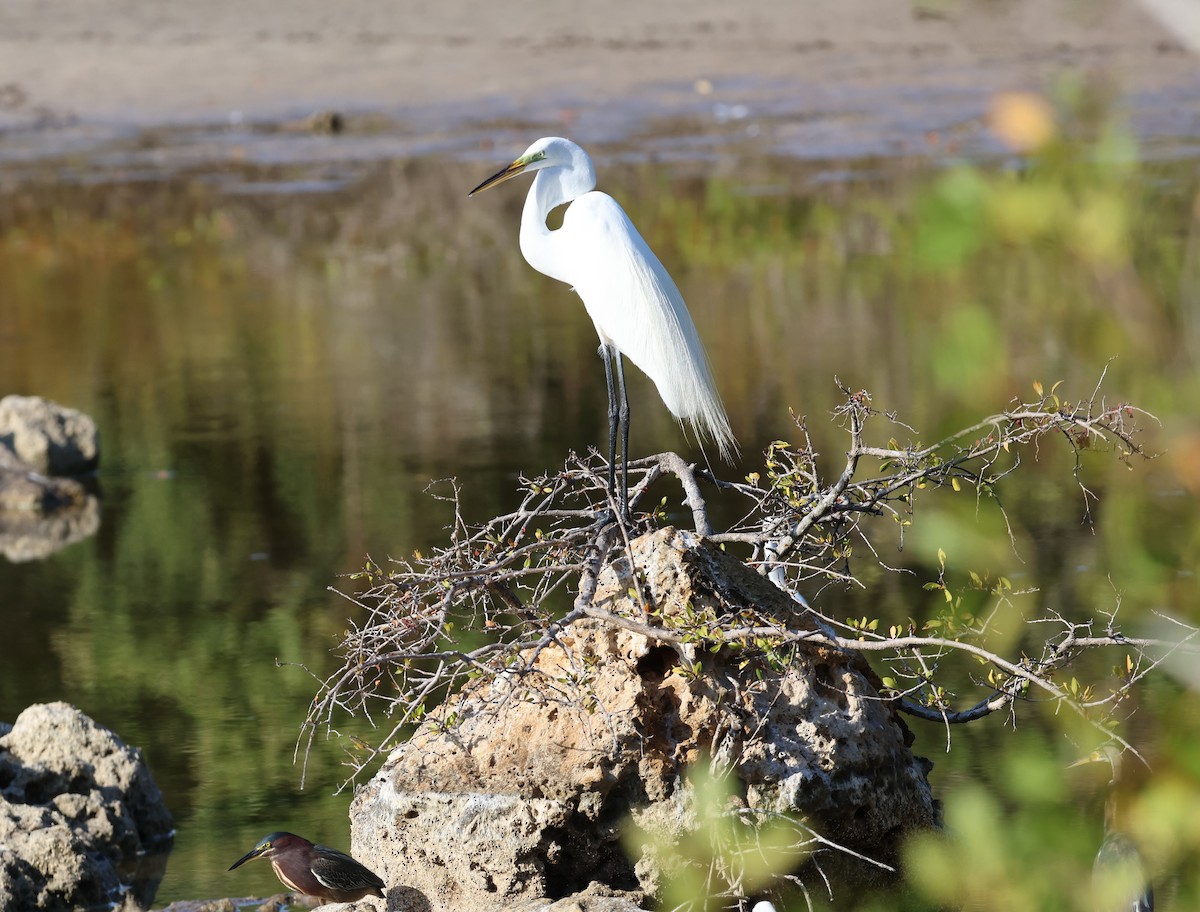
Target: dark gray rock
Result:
[[82, 823]]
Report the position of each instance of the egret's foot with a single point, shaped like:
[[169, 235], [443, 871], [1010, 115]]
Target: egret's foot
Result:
[[606, 516], [609, 515]]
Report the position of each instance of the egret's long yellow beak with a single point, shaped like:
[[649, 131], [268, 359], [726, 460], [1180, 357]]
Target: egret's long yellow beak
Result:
[[505, 173], [1095, 756]]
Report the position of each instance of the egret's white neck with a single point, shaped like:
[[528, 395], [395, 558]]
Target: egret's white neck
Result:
[[552, 186]]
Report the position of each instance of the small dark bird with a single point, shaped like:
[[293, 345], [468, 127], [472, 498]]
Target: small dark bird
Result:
[[314, 870]]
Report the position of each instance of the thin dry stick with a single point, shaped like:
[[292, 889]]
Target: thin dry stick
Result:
[[511, 577]]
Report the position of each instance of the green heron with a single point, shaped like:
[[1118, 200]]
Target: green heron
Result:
[[314, 870], [1119, 871]]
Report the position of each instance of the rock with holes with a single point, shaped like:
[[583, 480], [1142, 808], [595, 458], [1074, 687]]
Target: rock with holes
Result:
[[40, 514], [82, 823], [49, 438], [525, 798], [596, 898]]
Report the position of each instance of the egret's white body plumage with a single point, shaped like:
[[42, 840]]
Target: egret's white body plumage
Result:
[[632, 300]]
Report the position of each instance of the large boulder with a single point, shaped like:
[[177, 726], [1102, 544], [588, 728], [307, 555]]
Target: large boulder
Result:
[[82, 822], [525, 796], [49, 438]]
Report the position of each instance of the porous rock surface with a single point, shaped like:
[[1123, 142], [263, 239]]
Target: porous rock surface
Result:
[[596, 898], [82, 823], [524, 799], [49, 438]]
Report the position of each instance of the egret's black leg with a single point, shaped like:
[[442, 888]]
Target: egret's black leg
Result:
[[623, 418], [606, 353]]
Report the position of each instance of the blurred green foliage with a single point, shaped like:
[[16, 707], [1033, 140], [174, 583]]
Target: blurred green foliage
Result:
[[717, 852], [1077, 258], [1020, 833]]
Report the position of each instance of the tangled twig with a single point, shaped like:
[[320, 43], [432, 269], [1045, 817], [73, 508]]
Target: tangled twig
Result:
[[498, 593]]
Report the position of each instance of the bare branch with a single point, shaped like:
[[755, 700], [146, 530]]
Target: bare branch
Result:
[[518, 580]]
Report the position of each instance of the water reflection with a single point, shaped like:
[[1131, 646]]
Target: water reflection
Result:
[[25, 537], [279, 375]]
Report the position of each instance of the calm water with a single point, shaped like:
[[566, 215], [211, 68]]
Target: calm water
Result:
[[280, 358]]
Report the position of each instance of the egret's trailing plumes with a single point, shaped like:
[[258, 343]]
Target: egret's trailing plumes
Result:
[[632, 300]]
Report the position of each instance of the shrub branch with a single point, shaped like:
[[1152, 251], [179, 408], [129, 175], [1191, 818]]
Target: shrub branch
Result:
[[499, 592]]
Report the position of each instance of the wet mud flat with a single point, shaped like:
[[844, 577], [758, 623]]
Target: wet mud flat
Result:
[[128, 86]]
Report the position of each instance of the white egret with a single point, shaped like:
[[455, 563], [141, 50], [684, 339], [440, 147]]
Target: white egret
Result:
[[632, 300], [1119, 872]]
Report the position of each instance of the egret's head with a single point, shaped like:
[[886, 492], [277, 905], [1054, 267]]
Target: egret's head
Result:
[[1108, 753], [547, 152]]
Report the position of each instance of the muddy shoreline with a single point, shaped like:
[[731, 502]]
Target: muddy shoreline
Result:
[[239, 79]]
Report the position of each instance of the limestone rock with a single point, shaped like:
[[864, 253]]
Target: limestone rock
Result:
[[596, 898], [578, 904], [49, 438], [280, 902], [524, 798], [40, 514], [80, 815]]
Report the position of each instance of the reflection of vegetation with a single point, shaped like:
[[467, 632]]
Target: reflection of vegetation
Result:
[[1088, 202], [296, 368]]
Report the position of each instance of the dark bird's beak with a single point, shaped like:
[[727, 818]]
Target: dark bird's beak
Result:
[[249, 856], [505, 173]]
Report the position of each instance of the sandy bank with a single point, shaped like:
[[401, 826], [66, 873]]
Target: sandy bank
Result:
[[145, 62]]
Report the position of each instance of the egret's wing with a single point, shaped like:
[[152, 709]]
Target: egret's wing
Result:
[[1119, 867], [636, 306]]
